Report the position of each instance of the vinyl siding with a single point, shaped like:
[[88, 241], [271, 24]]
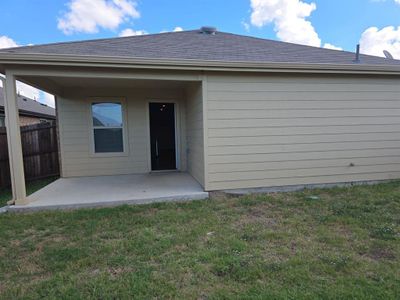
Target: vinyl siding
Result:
[[288, 130], [75, 134], [194, 123]]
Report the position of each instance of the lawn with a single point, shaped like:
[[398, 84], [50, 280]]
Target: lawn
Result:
[[31, 187], [341, 243]]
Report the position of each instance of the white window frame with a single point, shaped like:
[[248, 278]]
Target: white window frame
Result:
[[125, 143]]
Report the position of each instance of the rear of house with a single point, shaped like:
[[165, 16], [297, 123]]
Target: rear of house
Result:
[[234, 112], [262, 131]]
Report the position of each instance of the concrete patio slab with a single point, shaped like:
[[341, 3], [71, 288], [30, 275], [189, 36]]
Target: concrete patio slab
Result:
[[101, 191]]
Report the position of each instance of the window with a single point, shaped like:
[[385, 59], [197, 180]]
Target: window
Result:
[[107, 127], [2, 121]]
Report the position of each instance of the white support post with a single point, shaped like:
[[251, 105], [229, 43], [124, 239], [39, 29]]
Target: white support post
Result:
[[14, 141]]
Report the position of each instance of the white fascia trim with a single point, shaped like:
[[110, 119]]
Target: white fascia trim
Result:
[[192, 65]]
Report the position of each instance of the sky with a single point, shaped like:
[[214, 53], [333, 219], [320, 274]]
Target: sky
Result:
[[338, 24]]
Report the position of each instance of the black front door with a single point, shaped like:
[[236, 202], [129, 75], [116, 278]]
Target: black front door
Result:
[[162, 136]]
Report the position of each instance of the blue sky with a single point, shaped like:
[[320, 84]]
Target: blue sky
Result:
[[338, 24]]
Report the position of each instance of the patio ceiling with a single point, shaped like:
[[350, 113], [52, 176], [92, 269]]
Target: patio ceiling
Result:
[[56, 79], [67, 82]]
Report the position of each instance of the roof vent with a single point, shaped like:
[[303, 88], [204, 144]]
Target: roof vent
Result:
[[387, 54], [208, 30], [357, 59]]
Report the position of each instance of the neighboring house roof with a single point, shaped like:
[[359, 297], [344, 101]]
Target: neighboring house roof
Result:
[[196, 45], [30, 107]]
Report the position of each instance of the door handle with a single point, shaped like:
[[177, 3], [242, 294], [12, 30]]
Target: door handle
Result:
[[157, 147]]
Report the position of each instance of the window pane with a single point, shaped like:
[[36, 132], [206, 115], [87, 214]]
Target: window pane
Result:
[[108, 140], [107, 114]]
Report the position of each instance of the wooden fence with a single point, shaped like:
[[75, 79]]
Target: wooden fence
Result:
[[40, 151]]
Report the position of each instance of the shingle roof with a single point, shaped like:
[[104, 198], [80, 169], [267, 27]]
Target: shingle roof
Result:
[[195, 45], [30, 107]]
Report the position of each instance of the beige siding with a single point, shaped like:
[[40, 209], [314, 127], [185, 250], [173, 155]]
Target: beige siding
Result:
[[194, 123], [288, 130], [75, 134]]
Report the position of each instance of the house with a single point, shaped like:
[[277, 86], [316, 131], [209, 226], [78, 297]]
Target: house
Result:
[[30, 111], [232, 111]]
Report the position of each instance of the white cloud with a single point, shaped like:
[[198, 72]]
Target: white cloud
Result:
[[131, 32], [397, 1], [332, 47], [246, 26], [6, 42], [373, 41], [90, 15], [176, 29], [289, 18]]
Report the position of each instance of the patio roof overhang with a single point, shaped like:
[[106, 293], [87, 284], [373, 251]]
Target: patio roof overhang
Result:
[[57, 79]]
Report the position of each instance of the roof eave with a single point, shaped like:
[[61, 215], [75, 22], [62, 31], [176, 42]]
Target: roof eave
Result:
[[27, 113], [36, 114], [188, 64]]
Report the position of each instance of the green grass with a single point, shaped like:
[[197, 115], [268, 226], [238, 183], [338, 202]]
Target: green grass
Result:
[[341, 243], [31, 187]]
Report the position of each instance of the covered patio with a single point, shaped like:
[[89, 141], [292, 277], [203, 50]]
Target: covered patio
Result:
[[90, 179], [102, 191]]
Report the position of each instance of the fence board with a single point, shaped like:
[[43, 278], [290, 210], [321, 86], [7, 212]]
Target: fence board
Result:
[[40, 151]]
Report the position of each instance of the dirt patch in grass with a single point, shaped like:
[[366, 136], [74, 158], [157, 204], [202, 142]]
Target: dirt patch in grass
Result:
[[117, 271], [256, 216], [379, 253]]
